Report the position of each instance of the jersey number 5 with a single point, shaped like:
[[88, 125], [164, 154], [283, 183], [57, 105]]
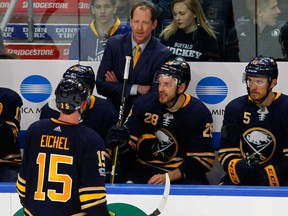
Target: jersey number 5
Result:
[[53, 176]]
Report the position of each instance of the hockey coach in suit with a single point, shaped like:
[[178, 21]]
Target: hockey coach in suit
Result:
[[147, 52]]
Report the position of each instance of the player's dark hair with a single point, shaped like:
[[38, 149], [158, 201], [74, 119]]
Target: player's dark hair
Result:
[[261, 66]]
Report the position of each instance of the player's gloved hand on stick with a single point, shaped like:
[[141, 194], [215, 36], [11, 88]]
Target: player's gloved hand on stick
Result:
[[248, 171], [119, 136]]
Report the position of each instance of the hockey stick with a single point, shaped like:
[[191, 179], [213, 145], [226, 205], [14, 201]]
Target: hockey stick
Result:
[[121, 115], [164, 199]]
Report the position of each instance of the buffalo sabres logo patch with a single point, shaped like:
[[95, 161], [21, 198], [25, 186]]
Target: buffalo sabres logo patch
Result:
[[161, 146], [259, 143]]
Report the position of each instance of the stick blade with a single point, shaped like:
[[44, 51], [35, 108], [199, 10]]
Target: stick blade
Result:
[[164, 198]]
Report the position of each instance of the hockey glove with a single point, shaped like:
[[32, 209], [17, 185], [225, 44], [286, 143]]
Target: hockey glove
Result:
[[243, 171], [269, 176], [118, 136]]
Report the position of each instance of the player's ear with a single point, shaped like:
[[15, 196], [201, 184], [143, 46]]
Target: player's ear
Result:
[[181, 88], [273, 83]]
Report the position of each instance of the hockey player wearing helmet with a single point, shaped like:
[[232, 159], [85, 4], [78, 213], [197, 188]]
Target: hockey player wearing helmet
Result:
[[254, 143], [71, 95], [100, 115], [10, 119], [170, 132], [85, 73], [62, 155], [261, 76]]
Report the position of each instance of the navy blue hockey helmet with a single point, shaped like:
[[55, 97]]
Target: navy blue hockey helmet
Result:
[[262, 66], [70, 93], [85, 73], [177, 68], [283, 39]]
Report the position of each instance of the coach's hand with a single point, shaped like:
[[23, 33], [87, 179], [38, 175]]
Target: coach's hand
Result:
[[118, 136]]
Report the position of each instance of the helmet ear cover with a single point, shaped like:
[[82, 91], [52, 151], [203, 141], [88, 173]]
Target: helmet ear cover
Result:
[[70, 93]]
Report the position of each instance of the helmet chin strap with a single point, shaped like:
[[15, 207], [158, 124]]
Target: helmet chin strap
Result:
[[177, 97]]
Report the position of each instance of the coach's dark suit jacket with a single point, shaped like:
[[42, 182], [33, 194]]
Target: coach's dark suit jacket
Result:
[[154, 55]]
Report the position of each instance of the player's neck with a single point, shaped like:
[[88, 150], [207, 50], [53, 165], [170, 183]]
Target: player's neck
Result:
[[179, 103], [72, 118], [268, 100]]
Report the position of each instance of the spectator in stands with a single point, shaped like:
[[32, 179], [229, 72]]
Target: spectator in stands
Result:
[[189, 35], [254, 142], [10, 155], [100, 114], [90, 41], [163, 8], [153, 54], [170, 132], [259, 35], [283, 40]]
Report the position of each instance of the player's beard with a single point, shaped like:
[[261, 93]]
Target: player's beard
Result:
[[167, 100], [257, 97]]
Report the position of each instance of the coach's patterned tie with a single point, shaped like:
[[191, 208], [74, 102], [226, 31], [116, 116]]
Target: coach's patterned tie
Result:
[[136, 55]]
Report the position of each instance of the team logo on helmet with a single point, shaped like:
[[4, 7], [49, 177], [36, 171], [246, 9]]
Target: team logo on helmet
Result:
[[255, 62], [258, 143]]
